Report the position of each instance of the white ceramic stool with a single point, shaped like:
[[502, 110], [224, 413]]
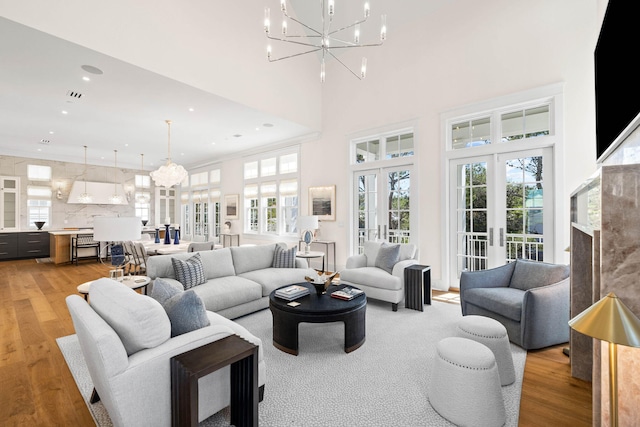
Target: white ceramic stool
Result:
[[493, 334], [465, 384]]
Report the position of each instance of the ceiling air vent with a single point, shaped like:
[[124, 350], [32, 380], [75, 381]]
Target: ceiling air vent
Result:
[[73, 94], [45, 141]]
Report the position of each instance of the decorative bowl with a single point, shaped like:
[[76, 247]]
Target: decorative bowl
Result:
[[321, 282], [39, 224]]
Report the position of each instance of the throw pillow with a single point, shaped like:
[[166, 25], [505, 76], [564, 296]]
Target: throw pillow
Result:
[[185, 309], [189, 272], [284, 258], [387, 257]]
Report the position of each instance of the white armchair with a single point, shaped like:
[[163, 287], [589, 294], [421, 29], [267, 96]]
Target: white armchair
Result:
[[379, 270], [130, 369]]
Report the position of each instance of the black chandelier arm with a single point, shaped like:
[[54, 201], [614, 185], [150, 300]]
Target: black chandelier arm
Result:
[[344, 65], [294, 55]]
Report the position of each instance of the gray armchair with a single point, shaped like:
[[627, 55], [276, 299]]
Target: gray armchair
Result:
[[531, 299]]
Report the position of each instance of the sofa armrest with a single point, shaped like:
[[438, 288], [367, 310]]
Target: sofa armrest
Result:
[[545, 315], [357, 261], [398, 268]]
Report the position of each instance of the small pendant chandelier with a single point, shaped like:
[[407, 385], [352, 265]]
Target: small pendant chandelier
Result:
[[115, 199], [170, 174], [85, 197], [142, 196]]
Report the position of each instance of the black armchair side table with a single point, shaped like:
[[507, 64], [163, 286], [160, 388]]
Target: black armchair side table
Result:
[[187, 367], [417, 286]]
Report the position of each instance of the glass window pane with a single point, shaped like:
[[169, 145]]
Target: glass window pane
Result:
[[251, 170], [471, 133], [536, 121], [289, 163], [368, 151], [214, 176], [268, 167], [38, 173], [514, 221], [479, 221], [480, 197], [479, 174]]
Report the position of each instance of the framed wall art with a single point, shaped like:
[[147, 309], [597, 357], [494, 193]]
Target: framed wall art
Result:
[[231, 206], [322, 202]]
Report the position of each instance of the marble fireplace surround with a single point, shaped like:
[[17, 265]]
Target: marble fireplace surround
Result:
[[605, 257]]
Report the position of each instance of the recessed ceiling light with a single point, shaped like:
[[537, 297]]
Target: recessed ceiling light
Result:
[[86, 79], [65, 112], [126, 145], [191, 109], [51, 132], [213, 143], [257, 128], [91, 69]]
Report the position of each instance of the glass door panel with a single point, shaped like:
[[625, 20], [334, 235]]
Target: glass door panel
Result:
[[383, 210], [502, 212]]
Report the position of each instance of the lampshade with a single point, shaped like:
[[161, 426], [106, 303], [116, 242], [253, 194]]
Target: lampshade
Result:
[[116, 229], [307, 222], [609, 320]]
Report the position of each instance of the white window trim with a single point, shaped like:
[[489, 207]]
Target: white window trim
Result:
[[553, 94]]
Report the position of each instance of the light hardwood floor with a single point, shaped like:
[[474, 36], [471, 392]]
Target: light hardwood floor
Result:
[[37, 389]]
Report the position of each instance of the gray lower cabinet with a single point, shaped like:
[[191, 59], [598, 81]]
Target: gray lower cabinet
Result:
[[8, 245], [28, 244]]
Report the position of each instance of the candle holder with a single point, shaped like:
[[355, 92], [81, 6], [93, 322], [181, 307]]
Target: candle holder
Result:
[[167, 234]]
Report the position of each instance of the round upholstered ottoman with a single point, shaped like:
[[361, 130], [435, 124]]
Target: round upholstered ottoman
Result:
[[465, 384], [493, 334]]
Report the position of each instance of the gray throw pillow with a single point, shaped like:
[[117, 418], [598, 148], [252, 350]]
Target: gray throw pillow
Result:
[[387, 257], [185, 309], [284, 258], [189, 272]]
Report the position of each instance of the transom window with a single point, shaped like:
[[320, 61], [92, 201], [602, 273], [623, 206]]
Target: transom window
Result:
[[384, 147], [505, 127]]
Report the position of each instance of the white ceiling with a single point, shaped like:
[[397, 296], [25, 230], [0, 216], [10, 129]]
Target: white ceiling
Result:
[[125, 108]]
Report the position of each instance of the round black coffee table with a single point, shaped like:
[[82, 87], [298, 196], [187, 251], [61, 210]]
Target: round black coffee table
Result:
[[317, 309]]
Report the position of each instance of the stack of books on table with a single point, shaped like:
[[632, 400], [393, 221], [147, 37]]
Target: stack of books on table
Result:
[[292, 292], [347, 293]]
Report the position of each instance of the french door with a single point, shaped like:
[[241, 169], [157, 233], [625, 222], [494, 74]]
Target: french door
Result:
[[501, 208], [383, 205]]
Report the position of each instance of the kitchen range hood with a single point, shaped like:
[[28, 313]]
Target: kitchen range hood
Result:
[[101, 193]]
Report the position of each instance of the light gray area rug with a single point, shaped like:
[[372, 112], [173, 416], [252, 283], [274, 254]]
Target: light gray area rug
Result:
[[383, 383]]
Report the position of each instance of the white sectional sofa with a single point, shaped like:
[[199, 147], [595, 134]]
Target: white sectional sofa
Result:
[[239, 279]]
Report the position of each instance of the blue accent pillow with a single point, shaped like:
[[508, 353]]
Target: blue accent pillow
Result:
[[189, 272], [284, 258], [387, 257], [185, 309]]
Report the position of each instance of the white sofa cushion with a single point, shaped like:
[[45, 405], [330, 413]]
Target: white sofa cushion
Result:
[[371, 276], [139, 321], [230, 291], [249, 258]]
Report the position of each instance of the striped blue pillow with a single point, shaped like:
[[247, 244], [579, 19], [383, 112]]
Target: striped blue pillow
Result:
[[284, 258], [189, 272]]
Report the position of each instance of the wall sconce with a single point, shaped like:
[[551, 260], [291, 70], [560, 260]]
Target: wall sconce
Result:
[[129, 193], [59, 191]]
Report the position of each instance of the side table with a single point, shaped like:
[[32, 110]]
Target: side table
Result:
[[417, 286], [311, 254], [188, 367], [134, 282], [227, 239]]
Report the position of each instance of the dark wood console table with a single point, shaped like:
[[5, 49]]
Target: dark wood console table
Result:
[[187, 367]]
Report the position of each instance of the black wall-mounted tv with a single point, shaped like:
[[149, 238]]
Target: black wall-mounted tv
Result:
[[617, 77]]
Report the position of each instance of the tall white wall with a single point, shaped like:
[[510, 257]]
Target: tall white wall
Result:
[[469, 52]]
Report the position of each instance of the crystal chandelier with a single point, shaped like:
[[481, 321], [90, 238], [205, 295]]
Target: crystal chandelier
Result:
[[85, 197], [115, 198], [170, 174], [323, 39]]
